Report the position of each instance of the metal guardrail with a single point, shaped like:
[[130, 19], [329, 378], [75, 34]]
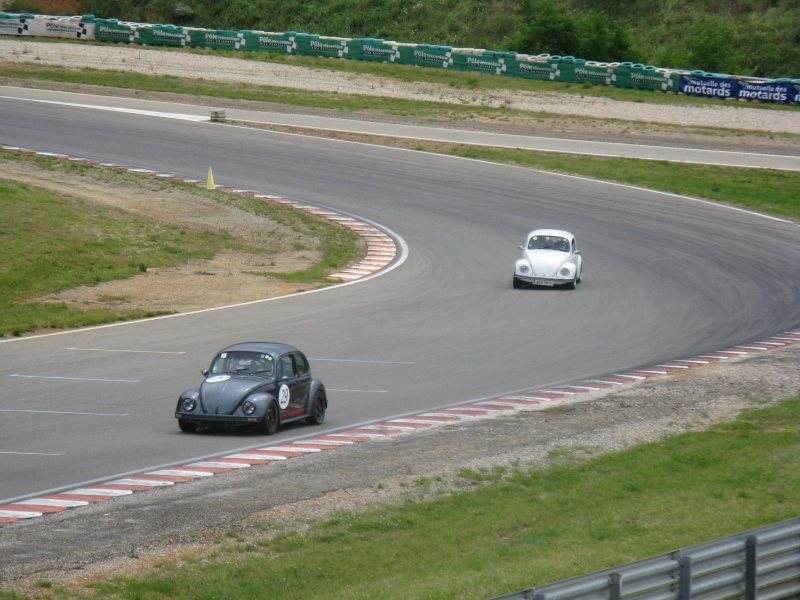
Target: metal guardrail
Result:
[[760, 564]]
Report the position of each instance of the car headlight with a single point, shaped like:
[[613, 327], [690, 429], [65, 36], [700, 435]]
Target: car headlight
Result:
[[249, 407], [188, 404], [523, 268], [564, 272]]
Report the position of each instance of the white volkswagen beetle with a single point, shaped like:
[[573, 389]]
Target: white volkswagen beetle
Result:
[[549, 257]]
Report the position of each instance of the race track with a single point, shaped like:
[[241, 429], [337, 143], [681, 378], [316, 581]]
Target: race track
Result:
[[664, 277]]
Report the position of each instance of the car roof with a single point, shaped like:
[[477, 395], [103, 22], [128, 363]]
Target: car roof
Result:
[[273, 348], [554, 232]]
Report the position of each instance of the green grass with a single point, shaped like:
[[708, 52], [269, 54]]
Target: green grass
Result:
[[508, 529], [52, 242]]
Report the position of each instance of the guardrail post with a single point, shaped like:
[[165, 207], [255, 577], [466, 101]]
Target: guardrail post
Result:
[[615, 586], [751, 568], [685, 579]]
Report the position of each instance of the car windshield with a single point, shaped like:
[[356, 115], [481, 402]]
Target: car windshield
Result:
[[243, 362], [548, 242]]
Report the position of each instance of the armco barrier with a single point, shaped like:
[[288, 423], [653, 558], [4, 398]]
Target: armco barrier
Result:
[[567, 69], [761, 564]]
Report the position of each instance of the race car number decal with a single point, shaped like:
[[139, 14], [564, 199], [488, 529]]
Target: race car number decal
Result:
[[283, 396], [218, 378]]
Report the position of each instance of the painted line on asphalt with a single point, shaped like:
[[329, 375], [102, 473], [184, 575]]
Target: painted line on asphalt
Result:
[[64, 412], [528, 400], [33, 453], [135, 111], [75, 378], [360, 391], [126, 351], [373, 362]]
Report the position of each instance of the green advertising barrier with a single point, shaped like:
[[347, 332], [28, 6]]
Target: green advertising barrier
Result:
[[483, 61], [622, 74], [163, 35], [646, 77], [542, 66], [269, 41], [566, 69], [511, 64], [372, 49], [311, 44], [426, 55], [595, 73], [218, 39], [111, 30]]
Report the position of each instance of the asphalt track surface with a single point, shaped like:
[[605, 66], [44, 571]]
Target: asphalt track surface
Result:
[[664, 277]]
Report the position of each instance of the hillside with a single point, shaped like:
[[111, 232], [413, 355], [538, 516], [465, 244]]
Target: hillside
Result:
[[744, 37]]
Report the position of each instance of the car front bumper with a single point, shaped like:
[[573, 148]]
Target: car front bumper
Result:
[[544, 281], [222, 421]]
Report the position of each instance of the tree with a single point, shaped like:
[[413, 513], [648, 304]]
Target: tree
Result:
[[548, 29], [712, 45]]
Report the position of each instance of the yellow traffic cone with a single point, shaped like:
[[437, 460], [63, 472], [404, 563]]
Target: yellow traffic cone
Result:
[[210, 183]]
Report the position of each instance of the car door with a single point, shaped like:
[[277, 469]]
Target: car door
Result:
[[294, 380]]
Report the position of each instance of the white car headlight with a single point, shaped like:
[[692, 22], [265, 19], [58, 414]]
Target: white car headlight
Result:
[[565, 271], [523, 268], [249, 407], [188, 404]]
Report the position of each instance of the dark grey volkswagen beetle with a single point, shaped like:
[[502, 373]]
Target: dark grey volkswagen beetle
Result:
[[254, 384]]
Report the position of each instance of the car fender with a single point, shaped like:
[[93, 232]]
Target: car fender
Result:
[[261, 400], [316, 385], [568, 264], [523, 262], [193, 393]]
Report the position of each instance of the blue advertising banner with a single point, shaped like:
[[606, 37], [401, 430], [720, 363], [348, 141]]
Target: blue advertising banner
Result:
[[767, 91], [710, 86]]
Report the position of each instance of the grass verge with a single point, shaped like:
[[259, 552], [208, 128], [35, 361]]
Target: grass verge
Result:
[[406, 73], [57, 241], [37, 75], [509, 528]]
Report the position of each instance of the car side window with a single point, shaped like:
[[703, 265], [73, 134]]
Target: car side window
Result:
[[302, 364], [574, 246], [287, 366]]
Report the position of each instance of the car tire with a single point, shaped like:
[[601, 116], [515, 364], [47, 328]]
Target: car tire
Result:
[[572, 284], [272, 419], [517, 283], [186, 427], [317, 415]]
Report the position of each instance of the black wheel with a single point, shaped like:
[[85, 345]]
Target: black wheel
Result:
[[187, 427], [317, 415], [517, 283], [572, 284], [271, 420]]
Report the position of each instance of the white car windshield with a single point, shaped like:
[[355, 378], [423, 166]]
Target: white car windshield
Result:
[[548, 242], [243, 362]]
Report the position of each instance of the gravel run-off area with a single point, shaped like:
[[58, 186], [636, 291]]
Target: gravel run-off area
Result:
[[126, 535]]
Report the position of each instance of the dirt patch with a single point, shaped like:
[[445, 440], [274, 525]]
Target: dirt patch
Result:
[[225, 279]]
